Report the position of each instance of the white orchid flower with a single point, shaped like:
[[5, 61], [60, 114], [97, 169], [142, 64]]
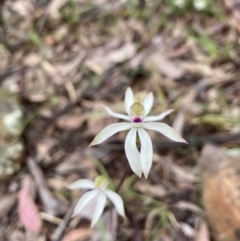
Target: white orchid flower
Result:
[[99, 194], [140, 162]]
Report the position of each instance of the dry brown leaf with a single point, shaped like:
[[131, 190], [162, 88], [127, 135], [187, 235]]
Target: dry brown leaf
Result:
[[122, 54], [69, 67], [16, 235], [151, 190], [37, 88], [185, 105], [70, 121], [23, 8], [180, 174], [183, 175], [77, 162], [32, 60], [6, 204], [29, 236], [56, 183], [158, 61], [44, 146], [232, 8], [78, 234], [183, 205], [27, 209], [203, 69], [54, 6], [105, 57], [138, 59], [164, 237]]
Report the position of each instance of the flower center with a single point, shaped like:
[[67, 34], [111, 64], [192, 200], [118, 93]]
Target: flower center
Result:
[[137, 112], [137, 120], [100, 182]]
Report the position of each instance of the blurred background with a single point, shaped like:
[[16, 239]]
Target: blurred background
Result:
[[60, 59]]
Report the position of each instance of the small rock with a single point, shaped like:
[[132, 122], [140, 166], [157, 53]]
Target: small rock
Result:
[[221, 193], [11, 145]]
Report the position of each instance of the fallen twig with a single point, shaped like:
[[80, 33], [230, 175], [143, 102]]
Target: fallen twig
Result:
[[51, 204], [62, 226]]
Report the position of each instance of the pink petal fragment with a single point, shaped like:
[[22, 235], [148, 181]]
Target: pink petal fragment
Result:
[[27, 210]]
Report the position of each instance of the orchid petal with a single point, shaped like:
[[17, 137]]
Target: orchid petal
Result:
[[100, 205], [132, 152], [109, 131], [146, 152], [164, 129], [116, 115], [148, 103], [129, 99], [117, 201], [84, 200], [83, 183], [158, 117]]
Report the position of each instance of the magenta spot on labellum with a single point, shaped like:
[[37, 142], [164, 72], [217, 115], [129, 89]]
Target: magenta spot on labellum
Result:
[[137, 120]]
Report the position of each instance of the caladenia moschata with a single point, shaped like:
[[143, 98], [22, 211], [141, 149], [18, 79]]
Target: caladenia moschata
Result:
[[99, 195], [137, 110]]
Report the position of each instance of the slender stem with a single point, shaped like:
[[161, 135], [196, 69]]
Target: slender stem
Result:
[[125, 174]]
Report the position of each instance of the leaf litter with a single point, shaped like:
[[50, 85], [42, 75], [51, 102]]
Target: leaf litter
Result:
[[62, 58]]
